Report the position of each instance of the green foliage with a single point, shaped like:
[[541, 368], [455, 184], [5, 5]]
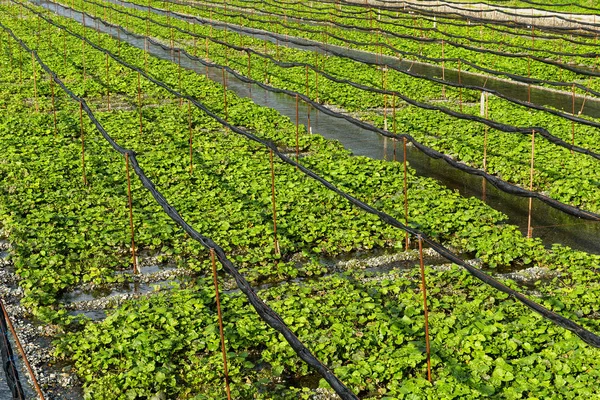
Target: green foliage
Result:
[[367, 328]]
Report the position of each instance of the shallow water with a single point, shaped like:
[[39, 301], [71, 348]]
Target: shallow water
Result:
[[549, 224], [81, 295]]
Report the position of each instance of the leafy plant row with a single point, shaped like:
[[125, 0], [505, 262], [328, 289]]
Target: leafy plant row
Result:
[[514, 163], [158, 351], [543, 59]]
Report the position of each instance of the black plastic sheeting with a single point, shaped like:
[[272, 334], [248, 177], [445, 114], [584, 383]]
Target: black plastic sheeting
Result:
[[515, 77], [263, 310], [491, 123], [9, 362], [497, 182]]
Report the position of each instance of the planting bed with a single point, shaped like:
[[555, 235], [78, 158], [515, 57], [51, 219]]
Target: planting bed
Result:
[[108, 149]]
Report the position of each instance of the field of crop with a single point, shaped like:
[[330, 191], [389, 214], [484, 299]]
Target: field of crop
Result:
[[505, 7], [168, 237]]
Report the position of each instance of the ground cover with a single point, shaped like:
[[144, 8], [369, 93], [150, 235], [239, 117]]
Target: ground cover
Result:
[[369, 326]]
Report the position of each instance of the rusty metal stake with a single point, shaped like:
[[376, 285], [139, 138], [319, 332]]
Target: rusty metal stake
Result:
[[531, 171], [53, 106], [383, 84], [139, 90], [394, 122], [317, 82], [573, 122], [225, 97], [83, 57], [297, 133], [133, 256], [308, 116], [405, 191], [307, 92], [107, 84], [275, 242], [179, 76], [20, 67], [34, 83], [191, 136], [223, 351], [529, 76], [443, 71], [426, 312], [119, 46], [460, 88], [485, 141], [248, 73], [265, 64], [206, 48], [85, 182], [9, 50], [22, 352]]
